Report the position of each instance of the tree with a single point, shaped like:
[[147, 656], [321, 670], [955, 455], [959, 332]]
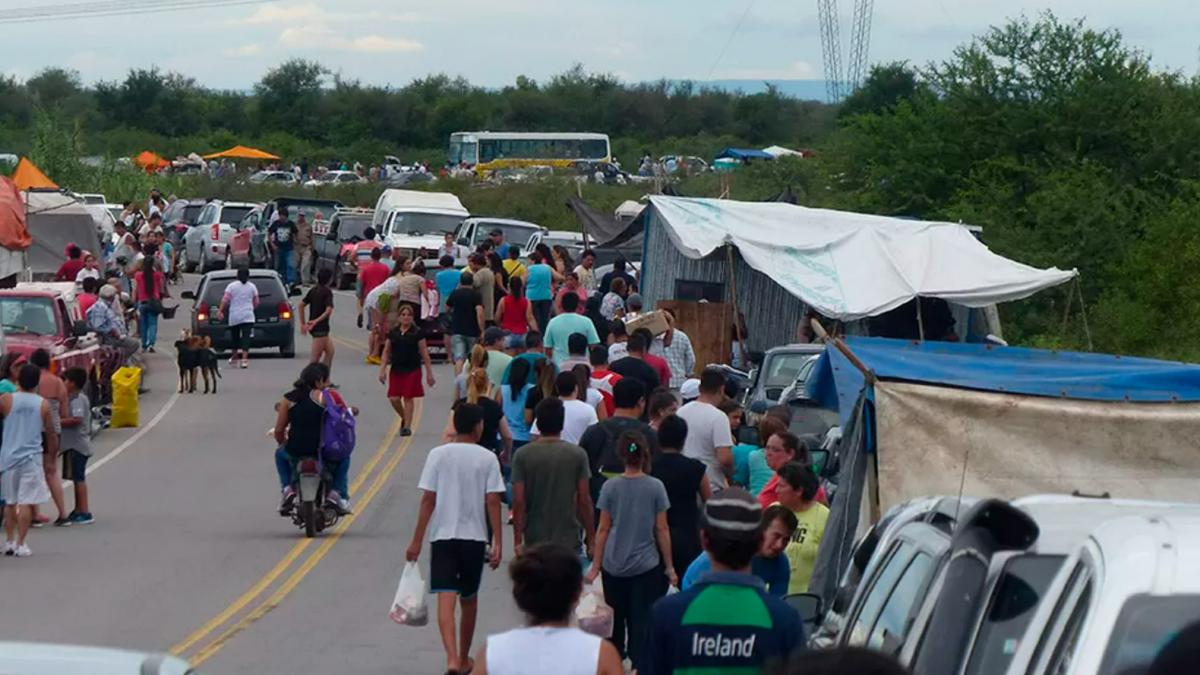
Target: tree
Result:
[[288, 95], [51, 87], [885, 86]]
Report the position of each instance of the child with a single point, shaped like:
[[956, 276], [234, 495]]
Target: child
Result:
[[76, 444], [22, 479]]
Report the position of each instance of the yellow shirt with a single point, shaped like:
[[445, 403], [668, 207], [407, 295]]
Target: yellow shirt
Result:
[[801, 551], [514, 268]]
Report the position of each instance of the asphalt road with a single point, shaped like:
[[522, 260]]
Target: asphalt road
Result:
[[189, 555]]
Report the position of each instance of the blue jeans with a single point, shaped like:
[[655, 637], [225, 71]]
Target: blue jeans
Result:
[[339, 473], [147, 324], [285, 266]]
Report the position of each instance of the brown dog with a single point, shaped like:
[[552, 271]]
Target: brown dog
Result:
[[195, 353], [207, 362]]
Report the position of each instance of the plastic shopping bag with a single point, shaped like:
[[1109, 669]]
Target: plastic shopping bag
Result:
[[125, 383], [593, 614], [409, 607]]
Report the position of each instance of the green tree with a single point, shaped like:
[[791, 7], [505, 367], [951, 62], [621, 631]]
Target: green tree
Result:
[[886, 85]]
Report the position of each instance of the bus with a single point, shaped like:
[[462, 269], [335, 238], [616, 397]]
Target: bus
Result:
[[486, 151]]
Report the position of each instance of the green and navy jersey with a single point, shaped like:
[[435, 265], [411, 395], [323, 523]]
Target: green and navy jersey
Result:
[[726, 624]]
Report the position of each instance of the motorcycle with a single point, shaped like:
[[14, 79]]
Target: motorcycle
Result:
[[314, 510]]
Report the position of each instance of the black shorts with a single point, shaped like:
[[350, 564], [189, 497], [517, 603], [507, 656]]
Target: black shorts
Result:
[[456, 566], [319, 332], [239, 335], [74, 466]]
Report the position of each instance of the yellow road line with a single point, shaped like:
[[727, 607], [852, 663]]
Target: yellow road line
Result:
[[357, 346], [273, 574]]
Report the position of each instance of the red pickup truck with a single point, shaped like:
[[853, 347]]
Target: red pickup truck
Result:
[[47, 316]]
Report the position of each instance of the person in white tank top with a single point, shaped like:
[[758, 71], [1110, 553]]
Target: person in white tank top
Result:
[[547, 580]]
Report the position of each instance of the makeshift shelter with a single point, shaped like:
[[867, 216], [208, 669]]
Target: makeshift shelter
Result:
[[783, 259], [56, 220], [778, 151], [150, 162], [28, 177], [14, 232], [242, 152], [743, 154], [937, 418]]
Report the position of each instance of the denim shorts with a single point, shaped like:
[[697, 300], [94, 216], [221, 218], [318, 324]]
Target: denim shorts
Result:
[[460, 347]]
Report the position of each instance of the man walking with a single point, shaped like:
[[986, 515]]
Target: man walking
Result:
[[466, 319], [600, 440], [54, 391], [709, 438], [634, 363], [484, 281], [726, 621], [446, 280], [282, 236], [675, 347], [551, 497], [461, 487], [304, 249], [585, 270], [319, 306], [561, 327], [27, 421], [370, 275]]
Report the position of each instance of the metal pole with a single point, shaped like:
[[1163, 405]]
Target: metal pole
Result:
[[920, 321]]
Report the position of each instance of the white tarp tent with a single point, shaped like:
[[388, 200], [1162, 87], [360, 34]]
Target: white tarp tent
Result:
[[778, 151], [850, 266]]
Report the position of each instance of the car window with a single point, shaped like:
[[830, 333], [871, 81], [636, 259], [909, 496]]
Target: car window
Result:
[[883, 583], [232, 215], [352, 227], [269, 290], [893, 624], [1146, 624], [191, 214], [1064, 651], [30, 316], [1014, 601], [782, 369]]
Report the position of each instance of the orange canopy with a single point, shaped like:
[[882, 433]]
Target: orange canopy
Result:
[[150, 161], [14, 232], [28, 176], [242, 152]]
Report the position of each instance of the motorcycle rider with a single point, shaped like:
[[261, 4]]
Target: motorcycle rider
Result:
[[299, 418]]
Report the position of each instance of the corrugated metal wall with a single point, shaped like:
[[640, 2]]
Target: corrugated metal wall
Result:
[[772, 314]]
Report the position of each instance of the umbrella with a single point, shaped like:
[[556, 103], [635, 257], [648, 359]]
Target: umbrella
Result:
[[150, 161], [242, 152], [28, 176]]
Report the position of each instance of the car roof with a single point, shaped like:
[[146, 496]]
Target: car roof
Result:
[[238, 205], [254, 274], [797, 348], [33, 657], [503, 221], [1141, 546], [1065, 521], [563, 234]]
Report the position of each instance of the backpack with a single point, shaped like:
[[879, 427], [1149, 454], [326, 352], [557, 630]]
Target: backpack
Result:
[[338, 435]]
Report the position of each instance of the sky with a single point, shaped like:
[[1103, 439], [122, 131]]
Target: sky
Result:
[[491, 42]]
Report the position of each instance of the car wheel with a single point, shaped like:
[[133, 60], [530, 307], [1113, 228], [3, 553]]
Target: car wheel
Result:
[[188, 265], [228, 261], [288, 351], [345, 282]]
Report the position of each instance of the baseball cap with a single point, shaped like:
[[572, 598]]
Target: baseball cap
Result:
[[514, 342], [634, 300], [492, 335], [690, 389], [733, 513]]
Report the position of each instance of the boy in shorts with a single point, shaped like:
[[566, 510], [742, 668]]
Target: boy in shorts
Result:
[[76, 445], [22, 477]]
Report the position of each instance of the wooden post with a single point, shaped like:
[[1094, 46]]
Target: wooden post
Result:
[[737, 323]]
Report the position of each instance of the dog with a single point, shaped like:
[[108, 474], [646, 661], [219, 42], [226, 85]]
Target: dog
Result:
[[195, 353]]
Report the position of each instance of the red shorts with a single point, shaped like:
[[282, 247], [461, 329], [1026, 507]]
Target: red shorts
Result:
[[405, 384]]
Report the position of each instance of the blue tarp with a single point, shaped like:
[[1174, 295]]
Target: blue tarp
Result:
[[836, 383], [744, 154]]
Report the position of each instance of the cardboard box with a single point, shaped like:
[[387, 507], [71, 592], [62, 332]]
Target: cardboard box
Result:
[[654, 321]]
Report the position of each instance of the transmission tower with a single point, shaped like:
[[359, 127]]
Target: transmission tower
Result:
[[831, 48], [838, 84]]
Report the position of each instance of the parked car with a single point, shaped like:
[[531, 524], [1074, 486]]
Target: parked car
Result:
[[180, 216], [472, 231], [248, 245], [574, 242], [206, 244], [397, 178], [780, 368], [274, 177], [93, 198], [31, 658], [417, 212], [335, 178], [334, 242], [1122, 595], [274, 318], [313, 209], [46, 315]]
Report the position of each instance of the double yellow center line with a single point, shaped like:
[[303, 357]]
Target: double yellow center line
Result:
[[207, 640]]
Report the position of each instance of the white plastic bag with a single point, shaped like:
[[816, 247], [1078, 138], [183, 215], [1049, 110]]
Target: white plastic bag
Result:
[[593, 614], [409, 607]]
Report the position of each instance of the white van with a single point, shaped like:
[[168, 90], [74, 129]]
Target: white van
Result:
[[417, 211]]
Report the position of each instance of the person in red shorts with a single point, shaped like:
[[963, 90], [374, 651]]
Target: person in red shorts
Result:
[[404, 353]]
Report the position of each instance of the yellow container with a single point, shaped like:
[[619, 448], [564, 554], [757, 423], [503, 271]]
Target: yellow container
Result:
[[125, 383]]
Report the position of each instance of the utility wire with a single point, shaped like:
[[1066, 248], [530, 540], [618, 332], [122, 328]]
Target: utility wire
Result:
[[82, 10], [736, 28]]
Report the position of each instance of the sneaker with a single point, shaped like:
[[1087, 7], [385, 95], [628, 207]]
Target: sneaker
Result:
[[289, 500], [406, 432], [150, 349], [22, 551], [10, 548], [63, 522], [82, 518]]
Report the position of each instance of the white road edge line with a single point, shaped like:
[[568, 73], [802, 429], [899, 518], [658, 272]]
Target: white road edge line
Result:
[[137, 436]]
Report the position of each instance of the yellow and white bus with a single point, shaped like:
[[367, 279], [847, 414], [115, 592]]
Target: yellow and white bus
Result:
[[486, 151]]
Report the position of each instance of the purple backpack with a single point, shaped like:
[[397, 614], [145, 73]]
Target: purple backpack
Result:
[[337, 439]]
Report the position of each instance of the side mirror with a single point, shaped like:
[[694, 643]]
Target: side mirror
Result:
[[819, 459], [808, 605], [80, 328], [188, 295], [463, 241], [756, 357]]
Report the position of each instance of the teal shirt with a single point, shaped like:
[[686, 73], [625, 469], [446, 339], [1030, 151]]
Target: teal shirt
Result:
[[560, 329], [760, 473], [7, 387], [741, 463]]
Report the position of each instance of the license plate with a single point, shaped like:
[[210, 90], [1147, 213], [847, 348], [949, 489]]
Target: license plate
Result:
[[436, 350]]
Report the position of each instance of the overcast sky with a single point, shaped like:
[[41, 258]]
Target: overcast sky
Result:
[[492, 41]]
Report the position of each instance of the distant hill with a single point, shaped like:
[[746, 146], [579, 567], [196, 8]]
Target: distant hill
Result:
[[805, 90]]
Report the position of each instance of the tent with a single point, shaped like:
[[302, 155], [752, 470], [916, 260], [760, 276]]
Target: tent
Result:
[[847, 265], [14, 232], [242, 152], [150, 162], [743, 154], [56, 220], [778, 151], [937, 418], [27, 177]]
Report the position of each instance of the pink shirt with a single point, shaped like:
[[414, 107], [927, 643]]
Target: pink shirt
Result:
[[160, 282]]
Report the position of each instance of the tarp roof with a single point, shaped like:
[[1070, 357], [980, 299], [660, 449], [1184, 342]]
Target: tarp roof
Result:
[[14, 233], [744, 153], [242, 152], [56, 220], [780, 151], [150, 161], [847, 265], [836, 383], [27, 176]]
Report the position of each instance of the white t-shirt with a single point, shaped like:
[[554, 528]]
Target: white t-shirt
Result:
[[241, 302], [461, 474], [577, 417], [594, 397], [708, 429], [391, 286], [85, 273], [618, 350]]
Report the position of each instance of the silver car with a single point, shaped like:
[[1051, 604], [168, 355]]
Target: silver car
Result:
[[205, 245], [31, 658]]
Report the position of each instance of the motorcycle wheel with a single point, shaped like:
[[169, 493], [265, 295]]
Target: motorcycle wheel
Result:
[[309, 515]]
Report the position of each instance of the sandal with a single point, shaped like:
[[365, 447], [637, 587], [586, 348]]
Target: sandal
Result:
[[245, 364]]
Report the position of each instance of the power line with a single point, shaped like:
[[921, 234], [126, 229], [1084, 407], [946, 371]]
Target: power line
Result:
[[736, 28], [82, 10]]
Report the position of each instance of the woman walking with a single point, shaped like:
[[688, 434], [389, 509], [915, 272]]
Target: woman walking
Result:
[[405, 354], [633, 547], [685, 481], [151, 289], [240, 300], [797, 492], [514, 313], [515, 399], [547, 580]]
